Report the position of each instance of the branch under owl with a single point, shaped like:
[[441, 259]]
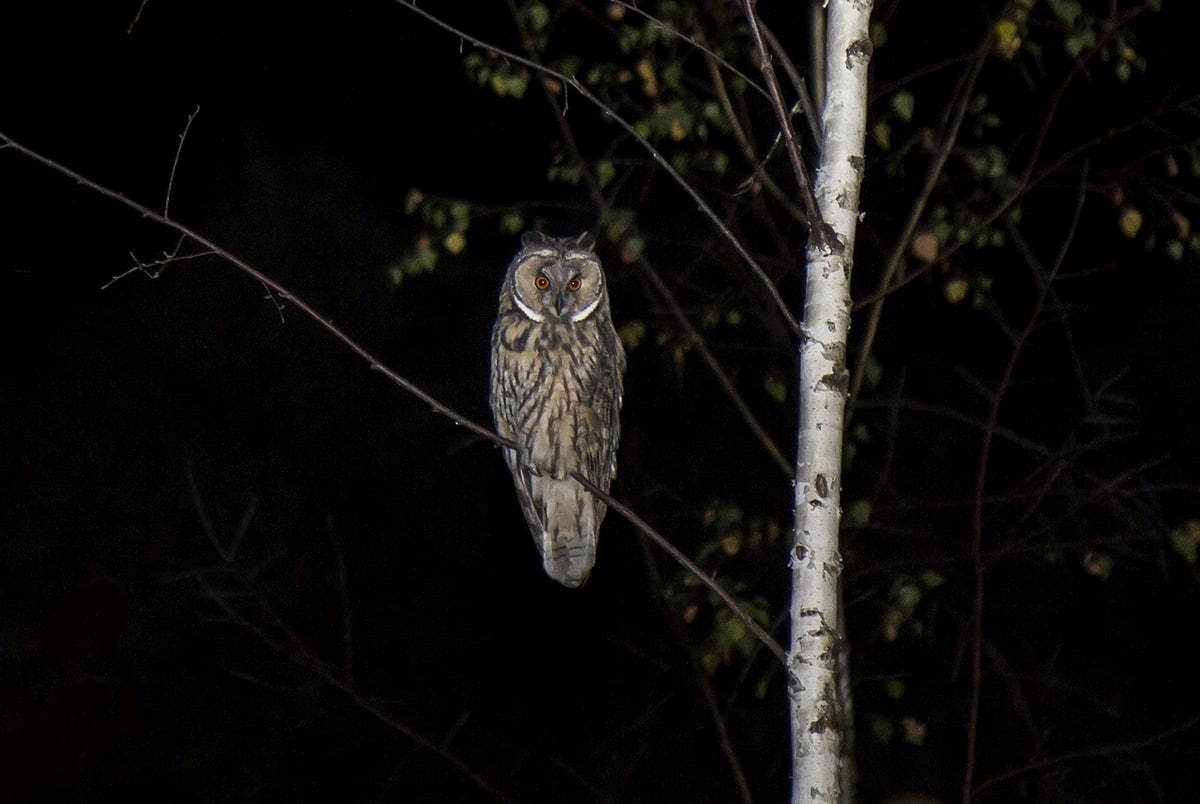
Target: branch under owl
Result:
[[377, 365]]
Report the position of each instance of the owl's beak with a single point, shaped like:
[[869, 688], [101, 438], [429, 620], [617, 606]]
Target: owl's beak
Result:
[[561, 304]]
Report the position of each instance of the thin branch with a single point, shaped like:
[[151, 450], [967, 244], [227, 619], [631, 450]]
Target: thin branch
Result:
[[743, 141], [571, 81], [175, 162], [976, 544], [932, 176], [299, 654], [686, 562], [136, 17], [805, 100], [602, 207], [702, 680], [1089, 753], [376, 365], [155, 268], [820, 232], [723, 379], [757, 87], [267, 281]]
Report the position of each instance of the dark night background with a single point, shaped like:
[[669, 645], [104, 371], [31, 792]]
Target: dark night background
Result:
[[382, 543]]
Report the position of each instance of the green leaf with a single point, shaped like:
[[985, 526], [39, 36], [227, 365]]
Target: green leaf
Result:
[[894, 688], [631, 333], [903, 104], [873, 371], [882, 134], [1068, 11], [858, 515], [1079, 42], [776, 388], [908, 596], [605, 172], [956, 290], [538, 16], [932, 579], [512, 222], [878, 35], [1175, 249], [617, 222], [516, 84], [1186, 541]]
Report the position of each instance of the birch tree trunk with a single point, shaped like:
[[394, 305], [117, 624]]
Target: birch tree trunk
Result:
[[817, 720]]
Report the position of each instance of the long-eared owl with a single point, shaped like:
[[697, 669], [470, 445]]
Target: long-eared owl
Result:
[[557, 365]]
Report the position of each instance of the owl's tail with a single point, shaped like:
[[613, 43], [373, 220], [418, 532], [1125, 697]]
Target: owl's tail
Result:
[[570, 522]]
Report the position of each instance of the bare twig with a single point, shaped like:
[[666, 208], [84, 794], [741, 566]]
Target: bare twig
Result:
[[932, 176], [136, 17], [743, 141], [175, 162], [820, 232], [976, 544], [686, 562], [1108, 750], [602, 207], [571, 81], [757, 87], [268, 282], [722, 378], [702, 678], [301, 655], [154, 268], [376, 365], [805, 100]]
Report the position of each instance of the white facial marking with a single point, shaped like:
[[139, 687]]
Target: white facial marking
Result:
[[527, 310], [586, 311]]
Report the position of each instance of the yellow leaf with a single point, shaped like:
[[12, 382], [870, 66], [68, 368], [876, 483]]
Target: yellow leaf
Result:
[[649, 80], [455, 242], [956, 290], [925, 247], [1008, 39], [1130, 222]]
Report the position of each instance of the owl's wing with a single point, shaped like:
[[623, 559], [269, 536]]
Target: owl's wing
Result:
[[604, 419], [522, 478]]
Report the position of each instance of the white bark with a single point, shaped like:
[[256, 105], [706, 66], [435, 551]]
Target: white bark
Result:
[[816, 719]]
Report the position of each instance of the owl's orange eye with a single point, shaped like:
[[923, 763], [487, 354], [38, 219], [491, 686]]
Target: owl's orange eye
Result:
[[541, 283], [574, 284]]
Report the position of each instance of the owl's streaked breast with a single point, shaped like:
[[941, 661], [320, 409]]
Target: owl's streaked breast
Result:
[[556, 392], [552, 373]]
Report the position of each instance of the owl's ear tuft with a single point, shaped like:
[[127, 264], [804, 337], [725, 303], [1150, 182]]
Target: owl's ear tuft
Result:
[[533, 239], [585, 240]]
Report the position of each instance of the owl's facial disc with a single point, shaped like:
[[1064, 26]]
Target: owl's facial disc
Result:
[[588, 310], [527, 310], [563, 285]]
